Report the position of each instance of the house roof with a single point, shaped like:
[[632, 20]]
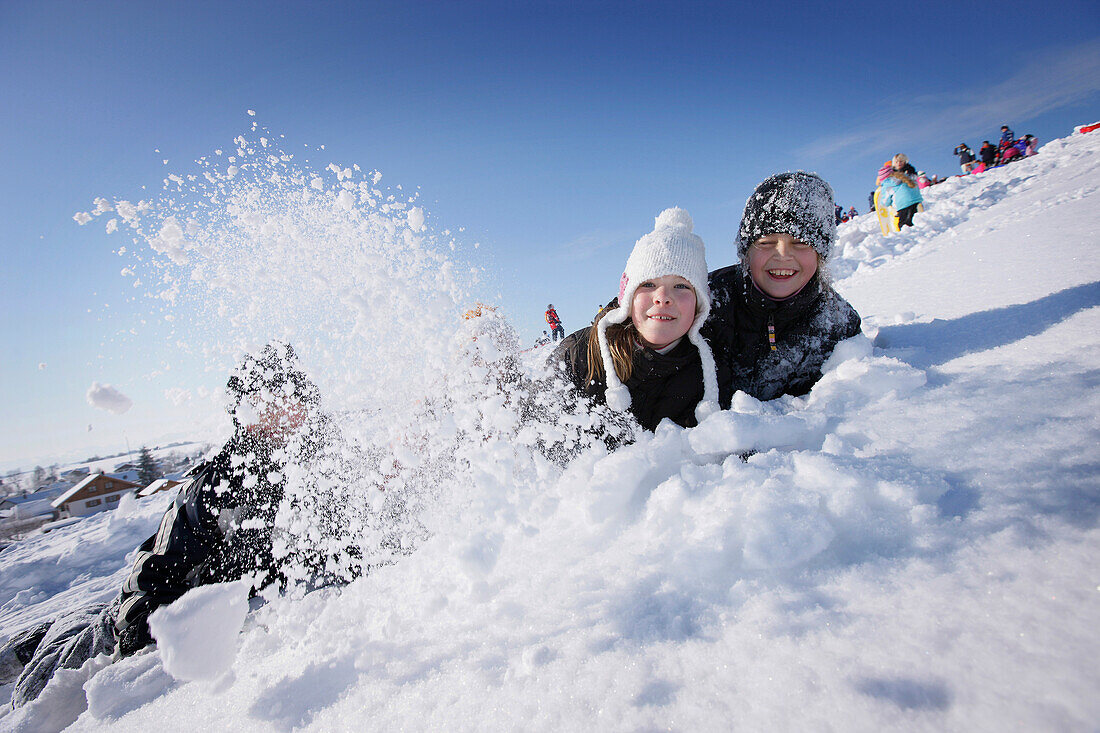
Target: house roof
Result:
[[71, 492], [46, 493], [159, 484], [31, 508]]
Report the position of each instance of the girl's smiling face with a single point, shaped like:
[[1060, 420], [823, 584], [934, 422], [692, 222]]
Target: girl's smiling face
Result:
[[781, 265], [663, 310]]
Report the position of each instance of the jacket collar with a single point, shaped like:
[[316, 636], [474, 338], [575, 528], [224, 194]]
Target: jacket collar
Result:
[[763, 307]]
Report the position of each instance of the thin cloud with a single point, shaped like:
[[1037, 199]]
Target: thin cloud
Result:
[[1052, 80], [106, 397], [588, 245]]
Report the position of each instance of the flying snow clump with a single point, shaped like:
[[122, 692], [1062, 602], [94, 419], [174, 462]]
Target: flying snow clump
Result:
[[106, 397]]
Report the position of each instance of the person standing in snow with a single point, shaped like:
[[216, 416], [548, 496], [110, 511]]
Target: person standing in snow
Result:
[[988, 154], [900, 188], [775, 319], [218, 529], [1007, 136], [556, 331], [966, 157], [644, 353], [852, 213]]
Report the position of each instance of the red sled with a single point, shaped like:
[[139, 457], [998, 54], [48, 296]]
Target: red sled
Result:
[[1089, 128]]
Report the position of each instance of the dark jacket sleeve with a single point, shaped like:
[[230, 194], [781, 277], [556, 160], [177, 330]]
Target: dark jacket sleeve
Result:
[[572, 356], [167, 562]]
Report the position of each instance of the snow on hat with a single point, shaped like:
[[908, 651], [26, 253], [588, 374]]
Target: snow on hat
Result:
[[670, 249], [272, 372], [799, 204]]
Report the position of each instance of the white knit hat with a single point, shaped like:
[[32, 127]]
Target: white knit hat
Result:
[[670, 249]]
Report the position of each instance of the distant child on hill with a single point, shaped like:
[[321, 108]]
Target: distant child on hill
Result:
[[900, 189], [1007, 151], [966, 157], [988, 154], [646, 355], [556, 331]]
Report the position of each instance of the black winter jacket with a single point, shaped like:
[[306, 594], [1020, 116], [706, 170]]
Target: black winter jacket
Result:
[[217, 530], [662, 385], [807, 327]]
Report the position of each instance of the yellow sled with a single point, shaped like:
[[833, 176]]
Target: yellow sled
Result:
[[887, 216]]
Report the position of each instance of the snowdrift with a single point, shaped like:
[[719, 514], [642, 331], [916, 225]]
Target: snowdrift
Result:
[[913, 545]]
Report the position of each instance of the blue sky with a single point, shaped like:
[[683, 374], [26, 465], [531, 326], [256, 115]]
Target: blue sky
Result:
[[552, 132]]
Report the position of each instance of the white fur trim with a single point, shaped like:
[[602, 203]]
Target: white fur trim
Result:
[[616, 395], [710, 372], [618, 398]]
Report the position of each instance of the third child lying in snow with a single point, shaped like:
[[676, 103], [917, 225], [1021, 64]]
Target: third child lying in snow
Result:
[[647, 355]]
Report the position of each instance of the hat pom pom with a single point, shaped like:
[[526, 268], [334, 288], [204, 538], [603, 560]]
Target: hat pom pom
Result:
[[674, 217], [617, 397], [705, 409]]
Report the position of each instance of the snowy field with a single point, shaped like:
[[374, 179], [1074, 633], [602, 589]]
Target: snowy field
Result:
[[914, 546]]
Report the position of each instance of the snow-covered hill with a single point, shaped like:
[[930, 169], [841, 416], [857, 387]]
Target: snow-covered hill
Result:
[[914, 546]]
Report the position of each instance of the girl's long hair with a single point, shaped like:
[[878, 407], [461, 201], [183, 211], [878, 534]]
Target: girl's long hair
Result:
[[622, 338]]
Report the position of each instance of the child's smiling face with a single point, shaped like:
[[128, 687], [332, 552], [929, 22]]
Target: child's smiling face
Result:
[[663, 310], [781, 265]]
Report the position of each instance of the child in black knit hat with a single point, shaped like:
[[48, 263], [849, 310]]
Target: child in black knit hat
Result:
[[775, 318]]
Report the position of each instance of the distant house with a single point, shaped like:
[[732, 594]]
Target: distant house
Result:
[[75, 475], [131, 474], [57, 488], [94, 494], [161, 484], [31, 506]]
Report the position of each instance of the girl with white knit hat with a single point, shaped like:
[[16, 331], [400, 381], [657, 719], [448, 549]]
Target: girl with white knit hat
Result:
[[647, 355]]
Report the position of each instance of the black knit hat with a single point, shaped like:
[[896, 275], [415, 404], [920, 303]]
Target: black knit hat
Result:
[[272, 372], [799, 204]]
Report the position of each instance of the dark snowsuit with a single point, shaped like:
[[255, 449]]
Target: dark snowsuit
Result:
[[201, 539], [661, 385], [807, 327], [31, 657], [988, 154], [217, 530]]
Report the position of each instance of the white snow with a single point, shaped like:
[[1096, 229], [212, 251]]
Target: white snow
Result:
[[913, 546], [416, 218], [197, 635]]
